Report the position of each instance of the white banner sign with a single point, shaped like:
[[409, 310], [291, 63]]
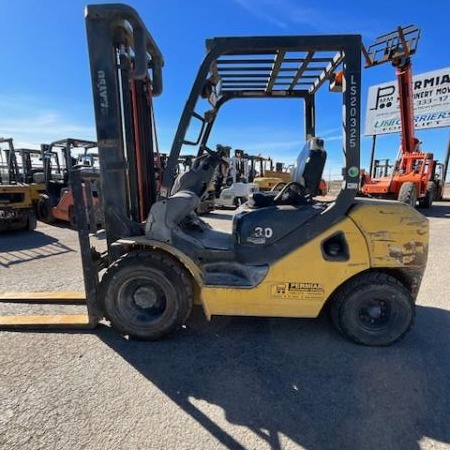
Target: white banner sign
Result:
[[431, 92]]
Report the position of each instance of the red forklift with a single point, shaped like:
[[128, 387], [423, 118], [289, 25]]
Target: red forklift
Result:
[[412, 177], [57, 202]]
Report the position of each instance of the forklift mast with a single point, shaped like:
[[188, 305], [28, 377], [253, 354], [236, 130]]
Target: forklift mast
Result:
[[11, 161], [126, 72], [397, 47]]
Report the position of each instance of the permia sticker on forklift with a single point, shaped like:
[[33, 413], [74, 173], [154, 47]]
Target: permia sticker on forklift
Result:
[[297, 290]]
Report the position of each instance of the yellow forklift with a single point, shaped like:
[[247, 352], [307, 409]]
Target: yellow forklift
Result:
[[288, 255], [17, 197]]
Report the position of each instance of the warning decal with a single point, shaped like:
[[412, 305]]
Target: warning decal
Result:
[[297, 290]]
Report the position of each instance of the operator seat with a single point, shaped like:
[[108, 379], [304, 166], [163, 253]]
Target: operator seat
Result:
[[305, 179], [172, 219], [268, 222]]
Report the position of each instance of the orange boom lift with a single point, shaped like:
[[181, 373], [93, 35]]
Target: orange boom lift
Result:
[[412, 178]]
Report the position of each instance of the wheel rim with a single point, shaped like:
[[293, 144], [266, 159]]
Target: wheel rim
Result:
[[143, 301], [374, 314]]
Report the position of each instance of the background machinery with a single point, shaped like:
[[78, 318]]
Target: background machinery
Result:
[[207, 201], [23, 165], [412, 176], [16, 208], [57, 203], [17, 195], [288, 255], [275, 177], [270, 177], [234, 178]]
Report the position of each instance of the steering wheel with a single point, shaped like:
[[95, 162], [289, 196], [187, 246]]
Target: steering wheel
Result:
[[292, 191], [219, 153], [208, 150]]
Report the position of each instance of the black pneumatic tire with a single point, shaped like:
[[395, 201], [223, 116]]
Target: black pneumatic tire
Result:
[[408, 194], [373, 309], [44, 209], [31, 222], [146, 295], [430, 194]]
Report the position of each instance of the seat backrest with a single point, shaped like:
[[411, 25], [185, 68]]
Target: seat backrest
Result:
[[310, 164], [38, 177]]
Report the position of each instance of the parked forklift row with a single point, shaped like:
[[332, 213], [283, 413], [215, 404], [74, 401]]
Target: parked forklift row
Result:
[[238, 176], [36, 182]]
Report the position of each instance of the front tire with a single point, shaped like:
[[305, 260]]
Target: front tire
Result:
[[146, 295], [408, 194], [31, 222], [373, 309]]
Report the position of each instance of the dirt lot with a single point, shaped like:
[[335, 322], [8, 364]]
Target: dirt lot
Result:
[[232, 383]]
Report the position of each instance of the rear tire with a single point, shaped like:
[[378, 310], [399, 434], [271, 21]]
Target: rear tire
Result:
[[44, 209], [373, 309], [146, 295], [408, 194], [430, 194]]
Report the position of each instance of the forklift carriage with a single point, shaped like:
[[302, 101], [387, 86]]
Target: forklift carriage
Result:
[[288, 255]]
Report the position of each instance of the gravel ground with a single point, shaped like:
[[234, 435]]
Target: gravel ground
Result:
[[231, 383]]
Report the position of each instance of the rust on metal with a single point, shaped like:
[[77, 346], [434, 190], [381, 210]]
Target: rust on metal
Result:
[[411, 253]]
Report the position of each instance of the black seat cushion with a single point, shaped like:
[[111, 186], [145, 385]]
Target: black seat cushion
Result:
[[292, 194], [261, 199]]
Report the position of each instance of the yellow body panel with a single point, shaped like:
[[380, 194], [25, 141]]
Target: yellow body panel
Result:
[[379, 234], [267, 183], [17, 189], [397, 234], [295, 286], [32, 192], [36, 189]]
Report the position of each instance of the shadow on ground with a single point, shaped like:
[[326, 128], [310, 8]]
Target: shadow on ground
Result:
[[439, 209], [300, 379], [18, 247]]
